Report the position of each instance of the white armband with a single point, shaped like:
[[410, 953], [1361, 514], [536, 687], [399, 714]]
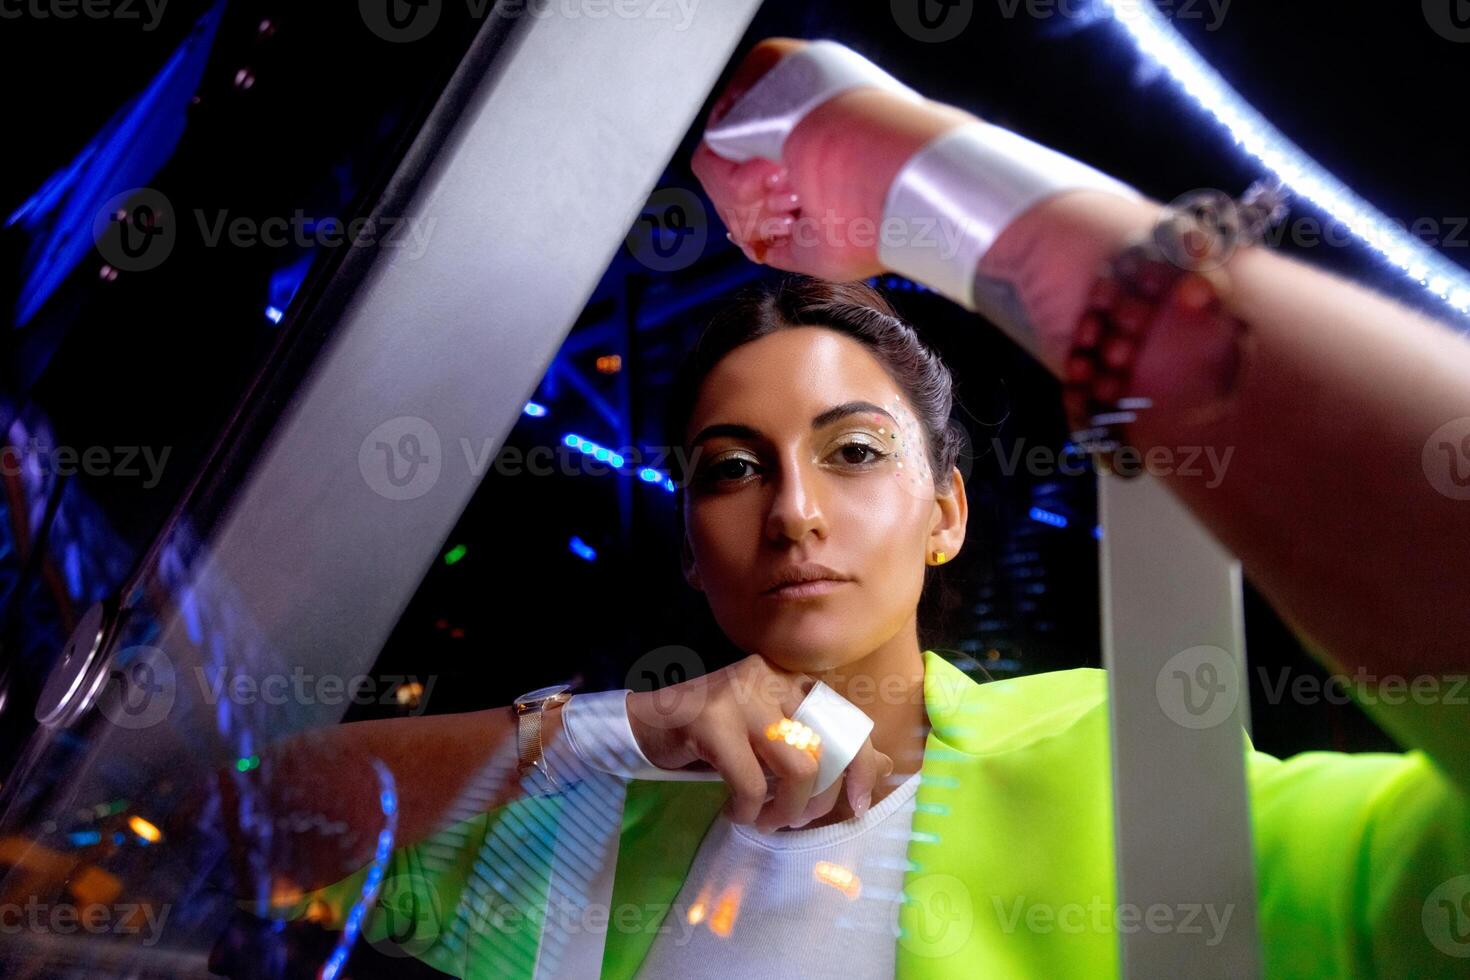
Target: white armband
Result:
[[597, 730], [954, 197], [597, 733], [759, 122]]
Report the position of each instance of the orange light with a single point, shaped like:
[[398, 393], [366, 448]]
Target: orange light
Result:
[[409, 694], [795, 734], [700, 909], [723, 921], [610, 364], [839, 877], [145, 830]]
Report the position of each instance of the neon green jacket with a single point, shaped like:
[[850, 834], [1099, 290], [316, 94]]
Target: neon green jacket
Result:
[[1362, 860]]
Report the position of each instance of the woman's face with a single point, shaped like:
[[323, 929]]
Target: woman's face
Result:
[[804, 450]]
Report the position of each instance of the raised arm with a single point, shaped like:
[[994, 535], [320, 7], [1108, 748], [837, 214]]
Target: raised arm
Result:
[[1340, 401]]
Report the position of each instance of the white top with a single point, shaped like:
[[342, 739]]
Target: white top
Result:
[[817, 903]]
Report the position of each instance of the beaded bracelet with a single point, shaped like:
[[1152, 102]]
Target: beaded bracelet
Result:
[[1198, 232]]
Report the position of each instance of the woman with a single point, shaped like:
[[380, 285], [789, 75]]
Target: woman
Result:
[[1006, 842]]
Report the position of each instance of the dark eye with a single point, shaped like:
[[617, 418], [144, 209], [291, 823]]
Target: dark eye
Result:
[[732, 468], [860, 453]]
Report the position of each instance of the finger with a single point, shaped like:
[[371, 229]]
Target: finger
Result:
[[782, 201], [797, 687], [862, 775], [740, 769], [795, 769], [821, 804]]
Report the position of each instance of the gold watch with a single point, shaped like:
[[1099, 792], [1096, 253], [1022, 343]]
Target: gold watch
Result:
[[528, 709]]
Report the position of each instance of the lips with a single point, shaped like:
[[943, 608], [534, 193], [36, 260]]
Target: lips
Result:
[[806, 579], [807, 590]]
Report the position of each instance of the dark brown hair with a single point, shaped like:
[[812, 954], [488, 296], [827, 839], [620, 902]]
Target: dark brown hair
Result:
[[859, 311]]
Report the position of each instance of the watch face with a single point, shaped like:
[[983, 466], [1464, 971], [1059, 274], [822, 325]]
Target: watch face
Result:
[[542, 693]]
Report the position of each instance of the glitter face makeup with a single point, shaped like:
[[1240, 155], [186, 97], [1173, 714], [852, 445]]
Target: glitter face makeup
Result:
[[911, 463]]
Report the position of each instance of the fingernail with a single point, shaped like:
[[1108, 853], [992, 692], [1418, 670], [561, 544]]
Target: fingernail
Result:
[[775, 178], [788, 201]]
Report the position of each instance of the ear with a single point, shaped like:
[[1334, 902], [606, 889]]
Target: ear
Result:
[[951, 514]]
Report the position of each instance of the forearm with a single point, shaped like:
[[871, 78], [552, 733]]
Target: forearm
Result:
[[322, 795], [1323, 492]]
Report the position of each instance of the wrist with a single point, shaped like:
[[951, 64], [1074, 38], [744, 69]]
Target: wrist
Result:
[[1050, 255], [858, 142]]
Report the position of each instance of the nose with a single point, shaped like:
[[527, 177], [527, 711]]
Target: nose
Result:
[[796, 509]]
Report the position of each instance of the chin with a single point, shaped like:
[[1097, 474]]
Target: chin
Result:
[[806, 649]]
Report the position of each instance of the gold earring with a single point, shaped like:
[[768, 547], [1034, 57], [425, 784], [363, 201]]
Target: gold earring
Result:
[[940, 558]]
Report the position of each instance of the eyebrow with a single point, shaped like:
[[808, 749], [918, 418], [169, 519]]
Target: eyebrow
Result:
[[736, 430]]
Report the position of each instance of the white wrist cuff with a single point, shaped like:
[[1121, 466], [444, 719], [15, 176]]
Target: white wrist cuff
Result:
[[759, 122], [596, 729], [952, 200]]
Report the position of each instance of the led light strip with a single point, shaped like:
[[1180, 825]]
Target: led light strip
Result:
[[1156, 39]]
